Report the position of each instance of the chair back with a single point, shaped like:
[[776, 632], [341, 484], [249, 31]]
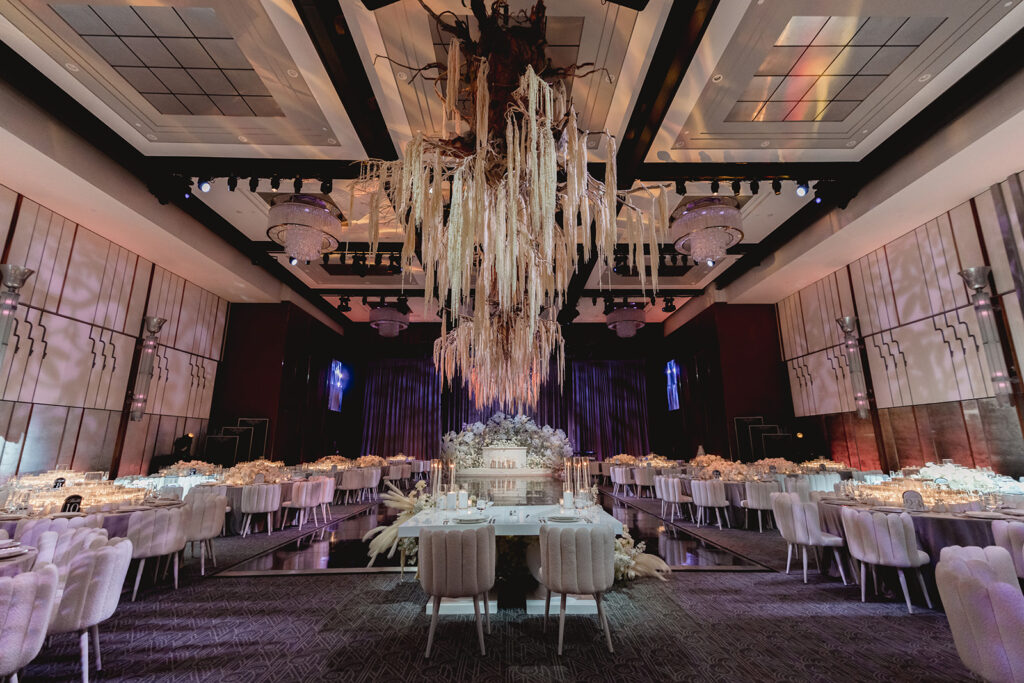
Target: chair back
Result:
[[305, 494], [659, 491], [394, 472], [93, 586], [457, 563], [157, 532], [800, 486], [174, 492], [577, 559], [985, 615], [1010, 535], [206, 517], [996, 558], [26, 603], [878, 538], [672, 489], [326, 490], [594, 468], [352, 479], [406, 471], [709, 493], [257, 498], [759, 494], [798, 521], [644, 476], [205, 491], [61, 548], [28, 531]]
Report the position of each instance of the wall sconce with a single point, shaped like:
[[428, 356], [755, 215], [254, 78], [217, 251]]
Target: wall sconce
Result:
[[851, 344], [13, 278], [144, 374], [977, 281]]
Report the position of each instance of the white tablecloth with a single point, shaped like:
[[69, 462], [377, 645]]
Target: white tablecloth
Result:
[[509, 520]]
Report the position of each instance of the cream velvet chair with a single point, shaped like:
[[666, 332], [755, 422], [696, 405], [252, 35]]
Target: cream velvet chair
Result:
[[674, 497], [710, 494], [577, 560], [169, 492], [28, 531], [205, 491], [305, 497], [326, 496], [91, 594], [878, 539], [60, 549], [457, 563], [659, 491], [800, 526], [26, 603], [985, 611], [1010, 536], [157, 533], [759, 498], [644, 479], [622, 481], [352, 481], [205, 523], [259, 499]]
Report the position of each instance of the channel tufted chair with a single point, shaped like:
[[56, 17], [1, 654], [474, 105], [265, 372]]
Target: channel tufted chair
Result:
[[800, 526], [457, 563], [644, 478], [985, 608], [1010, 536], [710, 493], [259, 499], [759, 498], [157, 533], [878, 539], [60, 549], [28, 531], [26, 603], [91, 594], [205, 523], [674, 497], [577, 560], [305, 498]]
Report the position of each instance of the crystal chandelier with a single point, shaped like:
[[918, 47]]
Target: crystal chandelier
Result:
[[486, 204], [708, 227], [304, 225]]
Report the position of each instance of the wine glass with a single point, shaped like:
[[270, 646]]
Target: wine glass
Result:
[[481, 503]]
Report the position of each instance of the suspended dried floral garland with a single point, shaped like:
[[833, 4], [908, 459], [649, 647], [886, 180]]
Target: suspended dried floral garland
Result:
[[496, 252]]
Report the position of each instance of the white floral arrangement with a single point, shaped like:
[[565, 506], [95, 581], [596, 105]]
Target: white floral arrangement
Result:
[[819, 463], [370, 461], [622, 459], [655, 460], [245, 472], [631, 562], [971, 479], [728, 470], [781, 465], [545, 446], [184, 468], [384, 539], [328, 461]]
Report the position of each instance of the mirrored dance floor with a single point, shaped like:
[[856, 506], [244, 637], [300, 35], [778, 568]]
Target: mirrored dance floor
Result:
[[338, 547]]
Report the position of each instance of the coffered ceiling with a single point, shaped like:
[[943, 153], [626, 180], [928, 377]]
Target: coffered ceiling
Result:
[[810, 90]]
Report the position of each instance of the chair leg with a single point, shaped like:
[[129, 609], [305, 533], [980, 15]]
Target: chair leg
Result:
[[789, 555], [924, 588], [175, 570], [906, 592], [804, 551], [202, 559], [83, 644], [874, 579], [96, 644], [718, 516], [760, 523], [270, 524], [213, 555], [547, 609], [138, 578], [433, 624], [561, 622], [603, 619], [839, 563], [728, 520], [487, 611], [479, 624], [863, 581]]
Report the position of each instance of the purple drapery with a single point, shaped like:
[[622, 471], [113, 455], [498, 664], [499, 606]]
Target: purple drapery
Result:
[[603, 408], [402, 409]]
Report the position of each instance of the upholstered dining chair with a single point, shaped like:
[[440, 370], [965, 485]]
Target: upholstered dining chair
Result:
[[800, 486], [1010, 535], [878, 539], [205, 523], [759, 498], [622, 481], [577, 560], [644, 479], [985, 611], [28, 531], [60, 549], [169, 492], [91, 594], [157, 533], [674, 497], [259, 499], [593, 470], [659, 491], [371, 483], [394, 475], [203, 491], [800, 527], [305, 497], [457, 563], [352, 481], [26, 603], [326, 496], [996, 558], [710, 494]]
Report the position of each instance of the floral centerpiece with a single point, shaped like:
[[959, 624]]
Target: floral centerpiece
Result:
[[384, 539], [245, 472], [728, 469], [781, 465], [184, 467], [370, 461], [329, 461], [622, 459], [821, 463], [655, 460], [545, 446], [962, 478]]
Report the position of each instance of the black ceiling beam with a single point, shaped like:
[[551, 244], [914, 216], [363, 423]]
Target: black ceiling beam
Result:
[[48, 96], [637, 292], [222, 167], [669, 171], [383, 247], [325, 23], [417, 292]]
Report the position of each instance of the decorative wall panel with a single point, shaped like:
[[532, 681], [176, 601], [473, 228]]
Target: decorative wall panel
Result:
[[64, 379]]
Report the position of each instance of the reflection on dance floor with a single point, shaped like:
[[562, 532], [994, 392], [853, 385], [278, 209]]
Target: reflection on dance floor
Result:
[[339, 546]]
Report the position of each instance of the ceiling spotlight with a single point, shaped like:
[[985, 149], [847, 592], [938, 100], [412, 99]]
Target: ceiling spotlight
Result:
[[736, 188], [275, 183], [298, 185], [254, 182], [754, 186], [801, 188], [777, 186], [326, 186], [292, 261], [714, 187], [711, 263], [343, 305], [204, 185], [187, 184], [681, 188], [670, 304], [232, 183]]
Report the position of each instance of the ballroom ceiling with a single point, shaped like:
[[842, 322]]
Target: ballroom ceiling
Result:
[[795, 90]]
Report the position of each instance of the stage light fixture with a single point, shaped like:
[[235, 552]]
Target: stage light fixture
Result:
[[714, 187], [204, 185], [681, 188], [801, 188], [343, 305], [669, 304], [298, 185], [326, 186], [736, 188], [754, 187], [777, 186], [292, 261], [254, 183], [275, 184], [232, 183]]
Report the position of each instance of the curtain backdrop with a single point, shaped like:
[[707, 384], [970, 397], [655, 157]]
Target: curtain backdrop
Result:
[[602, 407]]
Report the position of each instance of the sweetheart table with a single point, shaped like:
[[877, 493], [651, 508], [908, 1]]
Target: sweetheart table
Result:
[[512, 520]]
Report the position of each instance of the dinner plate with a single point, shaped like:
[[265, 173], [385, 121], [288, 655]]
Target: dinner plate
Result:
[[132, 508], [66, 515], [1016, 512], [888, 509], [983, 514], [9, 543], [8, 553], [11, 518], [563, 518], [470, 520]]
